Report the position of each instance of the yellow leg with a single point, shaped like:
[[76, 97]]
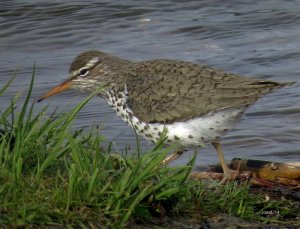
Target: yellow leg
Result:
[[226, 171], [172, 157]]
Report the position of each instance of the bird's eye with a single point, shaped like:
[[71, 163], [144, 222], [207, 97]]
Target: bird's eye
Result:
[[83, 72]]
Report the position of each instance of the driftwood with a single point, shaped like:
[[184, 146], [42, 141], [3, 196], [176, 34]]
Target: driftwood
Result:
[[259, 173], [267, 170], [276, 172]]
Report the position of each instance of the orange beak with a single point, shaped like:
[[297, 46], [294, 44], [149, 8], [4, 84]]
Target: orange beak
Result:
[[61, 87]]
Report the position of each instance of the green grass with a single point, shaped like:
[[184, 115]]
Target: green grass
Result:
[[53, 176]]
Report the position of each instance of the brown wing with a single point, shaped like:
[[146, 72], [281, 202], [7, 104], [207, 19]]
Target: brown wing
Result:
[[168, 90]]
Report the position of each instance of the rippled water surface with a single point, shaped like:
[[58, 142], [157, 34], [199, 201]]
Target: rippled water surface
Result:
[[258, 38]]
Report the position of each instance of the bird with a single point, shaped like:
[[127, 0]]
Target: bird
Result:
[[193, 104]]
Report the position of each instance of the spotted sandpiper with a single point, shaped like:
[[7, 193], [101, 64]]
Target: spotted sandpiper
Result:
[[195, 104]]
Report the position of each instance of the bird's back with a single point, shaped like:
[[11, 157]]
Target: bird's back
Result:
[[165, 91]]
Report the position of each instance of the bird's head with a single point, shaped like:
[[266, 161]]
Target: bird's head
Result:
[[90, 71]]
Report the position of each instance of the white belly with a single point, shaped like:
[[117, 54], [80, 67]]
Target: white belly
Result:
[[198, 131]]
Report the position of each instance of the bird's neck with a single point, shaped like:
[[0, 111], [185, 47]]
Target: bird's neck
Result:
[[115, 71]]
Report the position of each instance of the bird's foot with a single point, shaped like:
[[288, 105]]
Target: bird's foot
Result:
[[236, 175], [229, 176]]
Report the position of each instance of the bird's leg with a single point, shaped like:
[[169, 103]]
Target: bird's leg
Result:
[[172, 157], [226, 171]]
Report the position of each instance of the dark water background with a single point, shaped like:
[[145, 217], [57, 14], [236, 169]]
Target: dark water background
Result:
[[252, 38]]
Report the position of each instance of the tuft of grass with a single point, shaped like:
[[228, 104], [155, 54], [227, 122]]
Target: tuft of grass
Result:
[[51, 176]]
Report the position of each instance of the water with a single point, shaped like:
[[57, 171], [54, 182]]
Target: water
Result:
[[258, 38]]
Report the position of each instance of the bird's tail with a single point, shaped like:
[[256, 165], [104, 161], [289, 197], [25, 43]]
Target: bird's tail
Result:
[[271, 84], [288, 83]]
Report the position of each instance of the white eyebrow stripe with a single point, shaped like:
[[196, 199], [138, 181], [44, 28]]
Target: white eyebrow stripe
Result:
[[89, 65], [92, 62]]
